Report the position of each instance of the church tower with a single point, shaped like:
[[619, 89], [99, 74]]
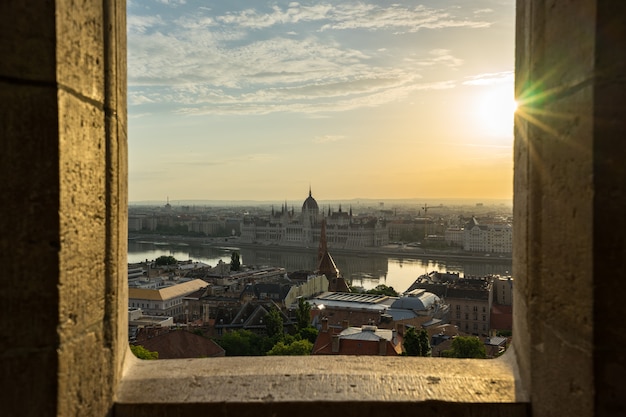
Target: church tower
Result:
[[326, 265]]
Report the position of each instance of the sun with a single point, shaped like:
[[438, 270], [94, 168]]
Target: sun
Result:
[[494, 111]]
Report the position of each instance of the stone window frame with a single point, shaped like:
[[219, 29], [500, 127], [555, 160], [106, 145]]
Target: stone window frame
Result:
[[66, 65]]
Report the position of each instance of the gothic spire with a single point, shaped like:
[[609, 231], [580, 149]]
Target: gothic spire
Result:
[[323, 246]]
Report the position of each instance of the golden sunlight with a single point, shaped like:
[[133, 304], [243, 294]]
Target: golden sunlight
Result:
[[494, 111]]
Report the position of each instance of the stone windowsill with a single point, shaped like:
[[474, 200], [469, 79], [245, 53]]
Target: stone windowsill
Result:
[[290, 385]]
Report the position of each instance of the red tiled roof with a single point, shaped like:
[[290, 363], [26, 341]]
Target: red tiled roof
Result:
[[179, 344], [323, 345], [501, 317]]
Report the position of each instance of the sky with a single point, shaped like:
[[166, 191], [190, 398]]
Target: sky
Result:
[[260, 100]]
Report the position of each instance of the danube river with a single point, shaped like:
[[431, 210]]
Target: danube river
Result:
[[364, 270]]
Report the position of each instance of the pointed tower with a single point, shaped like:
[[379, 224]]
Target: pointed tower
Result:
[[323, 246], [326, 265]]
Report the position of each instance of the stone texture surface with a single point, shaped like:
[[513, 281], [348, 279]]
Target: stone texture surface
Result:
[[569, 234], [82, 215], [80, 29], [63, 228], [225, 385]]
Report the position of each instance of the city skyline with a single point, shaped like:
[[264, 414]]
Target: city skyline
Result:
[[255, 100]]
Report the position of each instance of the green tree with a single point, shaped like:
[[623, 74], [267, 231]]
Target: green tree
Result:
[[143, 353], [303, 314], [416, 343], [424, 343], [382, 289], [466, 347], [274, 324], [244, 343], [165, 260], [411, 344], [235, 261], [296, 348], [308, 333]]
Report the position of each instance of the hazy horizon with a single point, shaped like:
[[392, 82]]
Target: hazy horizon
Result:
[[258, 100], [432, 202]]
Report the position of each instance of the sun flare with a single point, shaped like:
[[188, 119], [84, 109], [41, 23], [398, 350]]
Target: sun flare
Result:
[[494, 111]]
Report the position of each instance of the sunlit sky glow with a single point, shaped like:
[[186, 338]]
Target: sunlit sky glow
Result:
[[257, 100]]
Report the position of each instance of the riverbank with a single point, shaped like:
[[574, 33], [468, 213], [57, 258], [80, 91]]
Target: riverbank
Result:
[[401, 251]]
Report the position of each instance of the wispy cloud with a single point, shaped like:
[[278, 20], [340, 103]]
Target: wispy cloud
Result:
[[503, 77], [202, 61], [396, 17], [140, 24], [328, 138], [248, 105], [359, 15], [437, 57], [172, 3]]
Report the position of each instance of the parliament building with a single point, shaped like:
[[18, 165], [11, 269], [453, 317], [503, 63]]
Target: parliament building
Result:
[[289, 228]]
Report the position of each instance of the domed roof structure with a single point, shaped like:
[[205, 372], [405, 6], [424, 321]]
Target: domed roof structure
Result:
[[310, 204], [421, 302]]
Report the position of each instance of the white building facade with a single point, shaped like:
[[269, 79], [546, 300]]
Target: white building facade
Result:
[[488, 238]]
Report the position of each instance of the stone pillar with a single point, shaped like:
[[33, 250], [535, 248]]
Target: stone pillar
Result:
[[63, 228], [570, 180]]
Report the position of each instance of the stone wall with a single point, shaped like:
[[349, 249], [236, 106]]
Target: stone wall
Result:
[[569, 234], [63, 170]]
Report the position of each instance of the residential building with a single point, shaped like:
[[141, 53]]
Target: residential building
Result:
[[363, 340], [470, 301], [489, 238], [167, 301], [455, 236], [380, 310], [469, 298]]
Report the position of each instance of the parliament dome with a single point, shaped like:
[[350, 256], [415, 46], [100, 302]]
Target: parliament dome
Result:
[[310, 204]]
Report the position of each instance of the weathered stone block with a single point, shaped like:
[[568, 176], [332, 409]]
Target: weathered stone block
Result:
[[84, 376], [80, 47], [82, 214]]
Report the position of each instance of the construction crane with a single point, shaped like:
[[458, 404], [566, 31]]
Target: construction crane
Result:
[[425, 208]]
